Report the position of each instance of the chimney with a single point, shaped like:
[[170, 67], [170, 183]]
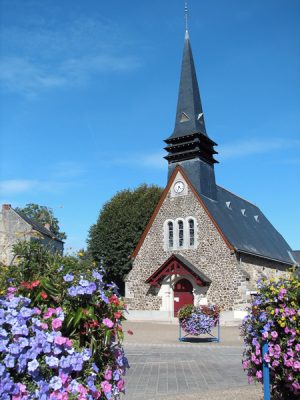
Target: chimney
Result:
[[6, 207], [47, 226]]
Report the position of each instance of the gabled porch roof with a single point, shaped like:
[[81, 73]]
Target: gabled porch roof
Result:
[[177, 265]]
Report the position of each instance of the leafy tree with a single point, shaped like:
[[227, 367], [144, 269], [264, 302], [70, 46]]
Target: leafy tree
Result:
[[43, 215], [120, 225]]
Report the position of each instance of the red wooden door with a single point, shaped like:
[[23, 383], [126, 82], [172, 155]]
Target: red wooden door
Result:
[[183, 294]]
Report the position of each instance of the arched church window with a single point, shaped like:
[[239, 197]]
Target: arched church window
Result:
[[192, 232], [180, 233], [170, 234]]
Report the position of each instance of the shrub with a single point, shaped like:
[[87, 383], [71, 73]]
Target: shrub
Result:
[[61, 338], [274, 317], [198, 320]]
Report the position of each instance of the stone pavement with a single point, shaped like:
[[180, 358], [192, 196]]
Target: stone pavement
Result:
[[162, 368]]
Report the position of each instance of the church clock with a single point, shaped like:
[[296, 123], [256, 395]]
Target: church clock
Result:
[[178, 187]]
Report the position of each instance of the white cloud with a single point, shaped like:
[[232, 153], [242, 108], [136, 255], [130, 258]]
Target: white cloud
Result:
[[255, 146], [13, 186], [67, 169], [46, 57], [151, 160]]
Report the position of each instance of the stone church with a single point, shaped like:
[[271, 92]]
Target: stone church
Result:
[[203, 244]]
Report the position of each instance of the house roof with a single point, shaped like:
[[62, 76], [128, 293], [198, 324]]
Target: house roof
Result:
[[242, 225], [37, 227], [247, 228], [296, 255]]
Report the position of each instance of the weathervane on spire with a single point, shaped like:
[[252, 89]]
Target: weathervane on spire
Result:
[[186, 15]]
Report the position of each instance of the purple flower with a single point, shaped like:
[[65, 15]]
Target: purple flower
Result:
[[68, 277], [55, 383], [108, 322], [84, 282], [52, 361], [33, 365]]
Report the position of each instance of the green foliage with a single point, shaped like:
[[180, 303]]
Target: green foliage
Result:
[[43, 215], [34, 261], [120, 225], [185, 311]]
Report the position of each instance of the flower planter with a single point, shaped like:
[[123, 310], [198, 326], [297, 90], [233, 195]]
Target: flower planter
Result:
[[196, 321]]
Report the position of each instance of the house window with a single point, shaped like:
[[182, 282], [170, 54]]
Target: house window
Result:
[[180, 233], [170, 234], [192, 232]]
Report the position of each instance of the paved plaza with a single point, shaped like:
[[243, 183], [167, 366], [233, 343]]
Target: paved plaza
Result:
[[162, 368]]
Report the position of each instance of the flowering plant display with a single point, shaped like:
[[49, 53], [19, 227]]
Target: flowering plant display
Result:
[[274, 317], [198, 320], [61, 339]]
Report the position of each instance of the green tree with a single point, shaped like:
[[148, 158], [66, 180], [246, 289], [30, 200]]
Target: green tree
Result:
[[119, 227], [43, 215]]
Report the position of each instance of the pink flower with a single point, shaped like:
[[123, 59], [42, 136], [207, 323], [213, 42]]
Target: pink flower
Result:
[[274, 335], [49, 313], [108, 322], [64, 377], [106, 387], [286, 330], [265, 335], [282, 292], [258, 374], [56, 324], [275, 363], [108, 374], [297, 347], [120, 384], [60, 340], [37, 311], [267, 358], [245, 364], [288, 363], [44, 326], [296, 365]]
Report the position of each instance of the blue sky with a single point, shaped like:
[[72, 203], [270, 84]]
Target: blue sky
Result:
[[89, 92]]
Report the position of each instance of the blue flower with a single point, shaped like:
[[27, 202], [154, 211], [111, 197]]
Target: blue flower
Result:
[[55, 383], [68, 277], [52, 361], [33, 365], [84, 282]]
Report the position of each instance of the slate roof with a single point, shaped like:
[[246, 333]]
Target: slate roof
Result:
[[38, 227], [246, 227], [296, 255], [189, 103]]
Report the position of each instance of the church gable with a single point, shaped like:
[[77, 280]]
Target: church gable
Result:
[[178, 227]]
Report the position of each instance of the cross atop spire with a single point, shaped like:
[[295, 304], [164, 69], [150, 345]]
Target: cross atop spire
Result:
[[186, 15]]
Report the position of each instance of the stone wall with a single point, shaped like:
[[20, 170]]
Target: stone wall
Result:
[[14, 229], [231, 277]]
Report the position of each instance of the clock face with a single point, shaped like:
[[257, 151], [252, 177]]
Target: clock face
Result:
[[178, 187]]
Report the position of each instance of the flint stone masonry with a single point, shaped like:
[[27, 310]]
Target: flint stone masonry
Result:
[[232, 277]]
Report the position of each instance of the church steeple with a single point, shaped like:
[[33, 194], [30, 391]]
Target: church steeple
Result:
[[189, 115], [189, 144]]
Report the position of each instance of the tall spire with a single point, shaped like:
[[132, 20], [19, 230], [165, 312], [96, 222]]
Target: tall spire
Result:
[[189, 115], [189, 144]]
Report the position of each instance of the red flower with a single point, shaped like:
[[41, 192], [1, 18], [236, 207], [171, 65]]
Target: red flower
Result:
[[44, 295], [130, 332], [118, 315], [114, 299]]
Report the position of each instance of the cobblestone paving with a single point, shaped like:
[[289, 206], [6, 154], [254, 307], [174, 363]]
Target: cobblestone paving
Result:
[[169, 371]]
